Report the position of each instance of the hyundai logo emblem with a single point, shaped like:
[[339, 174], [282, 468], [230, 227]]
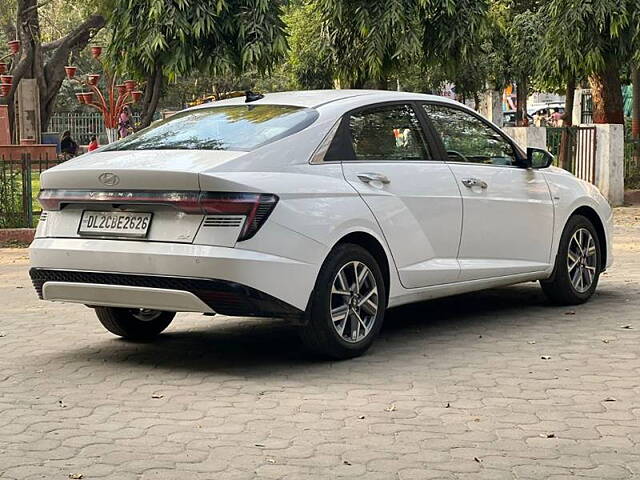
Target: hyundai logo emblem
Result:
[[109, 179]]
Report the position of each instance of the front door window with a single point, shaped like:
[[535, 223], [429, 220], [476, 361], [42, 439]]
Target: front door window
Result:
[[466, 138]]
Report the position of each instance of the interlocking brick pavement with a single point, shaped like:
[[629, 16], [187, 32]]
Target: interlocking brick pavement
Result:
[[453, 388]]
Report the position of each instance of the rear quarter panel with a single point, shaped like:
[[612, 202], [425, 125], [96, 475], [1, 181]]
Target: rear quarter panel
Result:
[[316, 209]]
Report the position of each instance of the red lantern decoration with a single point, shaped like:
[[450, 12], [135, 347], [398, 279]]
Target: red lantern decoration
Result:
[[93, 79], [137, 95], [14, 46], [3, 68], [80, 97], [87, 97], [130, 85], [96, 51], [6, 79], [121, 89], [5, 88], [70, 71]]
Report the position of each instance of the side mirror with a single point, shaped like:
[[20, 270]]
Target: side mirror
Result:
[[538, 158]]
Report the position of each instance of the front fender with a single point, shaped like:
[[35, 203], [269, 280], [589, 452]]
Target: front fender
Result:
[[570, 194]]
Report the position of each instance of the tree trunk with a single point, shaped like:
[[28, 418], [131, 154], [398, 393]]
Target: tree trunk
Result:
[[522, 91], [567, 121], [635, 119], [606, 92], [151, 98]]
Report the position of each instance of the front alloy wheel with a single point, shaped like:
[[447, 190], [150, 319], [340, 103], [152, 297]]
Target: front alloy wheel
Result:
[[578, 264], [347, 305], [582, 260]]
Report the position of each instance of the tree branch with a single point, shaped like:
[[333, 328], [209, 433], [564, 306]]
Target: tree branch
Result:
[[76, 39], [53, 44], [36, 6], [77, 36]]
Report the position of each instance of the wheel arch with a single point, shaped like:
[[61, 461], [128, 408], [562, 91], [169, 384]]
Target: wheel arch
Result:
[[375, 248], [592, 215]]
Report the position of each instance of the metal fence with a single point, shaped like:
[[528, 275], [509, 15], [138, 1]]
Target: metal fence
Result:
[[81, 125], [631, 163], [19, 187], [579, 156], [586, 113]]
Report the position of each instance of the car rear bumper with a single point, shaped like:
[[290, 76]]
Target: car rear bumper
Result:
[[157, 292], [270, 285]]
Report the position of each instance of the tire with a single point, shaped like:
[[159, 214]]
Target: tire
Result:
[[340, 342], [561, 287], [130, 323]]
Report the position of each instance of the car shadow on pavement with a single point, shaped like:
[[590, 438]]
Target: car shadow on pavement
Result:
[[258, 346]]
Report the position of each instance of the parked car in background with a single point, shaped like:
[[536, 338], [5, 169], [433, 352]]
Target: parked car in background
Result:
[[324, 208], [548, 107], [509, 118]]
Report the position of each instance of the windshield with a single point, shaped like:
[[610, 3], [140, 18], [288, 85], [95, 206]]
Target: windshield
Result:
[[231, 127]]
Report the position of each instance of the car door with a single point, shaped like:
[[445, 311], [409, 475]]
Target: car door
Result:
[[508, 212], [385, 156]]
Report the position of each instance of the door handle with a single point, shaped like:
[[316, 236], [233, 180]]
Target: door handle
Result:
[[373, 177], [474, 182]]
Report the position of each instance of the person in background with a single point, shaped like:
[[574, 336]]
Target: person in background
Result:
[[68, 146], [540, 118], [93, 144], [124, 122], [556, 118]]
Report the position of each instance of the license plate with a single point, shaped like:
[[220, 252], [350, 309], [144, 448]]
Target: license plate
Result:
[[115, 224]]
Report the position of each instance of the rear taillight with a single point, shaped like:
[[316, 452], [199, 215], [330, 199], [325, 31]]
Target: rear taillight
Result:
[[256, 207]]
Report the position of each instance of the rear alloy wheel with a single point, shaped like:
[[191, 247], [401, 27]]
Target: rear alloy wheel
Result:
[[578, 265], [347, 306], [134, 323], [354, 301]]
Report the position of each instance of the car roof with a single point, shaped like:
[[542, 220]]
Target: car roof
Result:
[[317, 98]]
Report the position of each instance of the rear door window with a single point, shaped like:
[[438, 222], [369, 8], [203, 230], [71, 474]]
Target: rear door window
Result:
[[387, 132], [231, 127]]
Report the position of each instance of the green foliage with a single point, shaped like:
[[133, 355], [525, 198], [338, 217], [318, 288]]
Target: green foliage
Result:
[[197, 86], [309, 63], [183, 36], [369, 39], [373, 40], [582, 37], [523, 36], [11, 211]]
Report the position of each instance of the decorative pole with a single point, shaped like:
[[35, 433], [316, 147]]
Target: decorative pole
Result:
[[109, 105], [6, 81]]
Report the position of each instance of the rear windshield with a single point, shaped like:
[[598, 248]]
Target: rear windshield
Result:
[[231, 127]]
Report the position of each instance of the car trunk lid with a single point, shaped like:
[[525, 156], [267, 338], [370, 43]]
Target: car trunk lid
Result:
[[117, 181], [172, 170]]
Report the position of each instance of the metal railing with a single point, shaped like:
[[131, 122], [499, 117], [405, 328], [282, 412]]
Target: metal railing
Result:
[[19, 187], [81, 125], [586, 112], [578, 154], [631, 163]]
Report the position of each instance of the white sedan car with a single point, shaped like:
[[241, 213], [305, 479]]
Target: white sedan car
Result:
[[324, 208]]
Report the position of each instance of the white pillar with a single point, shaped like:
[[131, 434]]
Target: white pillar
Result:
[[528, 136], [610, 162], [576, 113], [491, 106]]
